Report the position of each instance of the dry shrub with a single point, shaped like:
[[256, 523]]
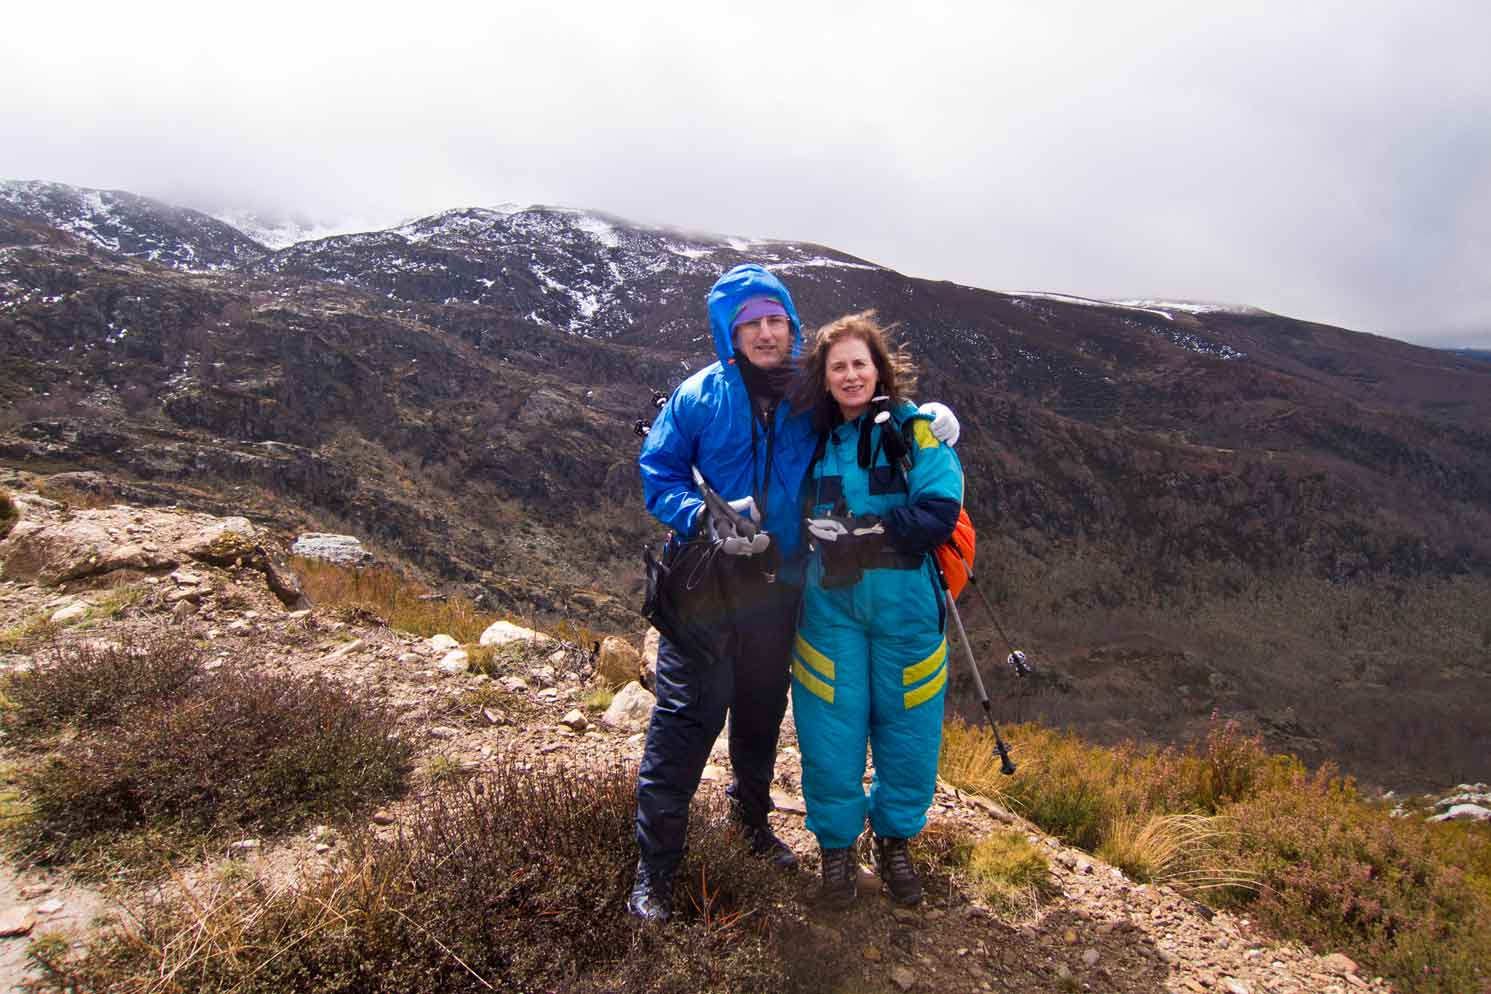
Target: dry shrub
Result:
[[236, 752], [94, 684], [397, 600], [514, 880]]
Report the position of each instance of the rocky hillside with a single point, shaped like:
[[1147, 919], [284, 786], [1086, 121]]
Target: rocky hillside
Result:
[[92, 577], [1185, 509]]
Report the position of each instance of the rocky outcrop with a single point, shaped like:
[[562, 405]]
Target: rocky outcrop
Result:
[[51, 545]]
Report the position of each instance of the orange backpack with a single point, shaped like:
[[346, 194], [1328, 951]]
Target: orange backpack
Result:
[[955, 556]]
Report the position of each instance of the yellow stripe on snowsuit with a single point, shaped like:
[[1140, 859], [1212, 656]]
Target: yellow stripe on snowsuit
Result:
[[811, 682], [923, 669], [921, 433], [814, 658], [927, 690]]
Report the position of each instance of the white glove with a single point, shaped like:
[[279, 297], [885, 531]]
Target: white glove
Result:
[[746, 508], [945, 427], [833, 529], [1017, 662]]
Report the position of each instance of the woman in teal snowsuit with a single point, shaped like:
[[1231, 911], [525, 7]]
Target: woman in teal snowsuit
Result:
[[869, 664]]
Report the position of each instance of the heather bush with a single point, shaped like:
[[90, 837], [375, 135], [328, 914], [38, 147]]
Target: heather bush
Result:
[[1397, 894], [513, 880], [92, 684], [237, 752]]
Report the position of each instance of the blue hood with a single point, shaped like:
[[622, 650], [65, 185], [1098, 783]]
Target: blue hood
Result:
[[735, 288]]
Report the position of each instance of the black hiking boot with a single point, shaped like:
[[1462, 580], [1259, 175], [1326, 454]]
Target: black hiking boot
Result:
[[893, 861], [840, 883], [652, 895], [762, 841]]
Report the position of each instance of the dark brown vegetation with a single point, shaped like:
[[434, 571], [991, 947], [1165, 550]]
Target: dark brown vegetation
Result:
[[162, 755], [514, 880], [1305, 853]]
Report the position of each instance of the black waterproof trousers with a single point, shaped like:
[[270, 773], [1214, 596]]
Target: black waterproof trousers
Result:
[[692, 700]]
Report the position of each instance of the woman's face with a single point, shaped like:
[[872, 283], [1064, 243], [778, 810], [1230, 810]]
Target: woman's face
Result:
[[851, 376]]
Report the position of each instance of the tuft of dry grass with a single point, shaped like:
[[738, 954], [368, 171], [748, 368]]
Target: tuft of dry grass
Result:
[[399, 601], [1187, 851], [1009, 872]]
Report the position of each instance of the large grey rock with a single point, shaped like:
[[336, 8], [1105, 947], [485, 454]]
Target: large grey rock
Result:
[[344, 550], [503, 632], [630, 709]]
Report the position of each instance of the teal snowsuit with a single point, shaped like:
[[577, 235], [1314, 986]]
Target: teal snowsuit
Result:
[[870, 661]]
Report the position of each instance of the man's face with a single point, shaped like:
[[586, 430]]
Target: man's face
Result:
[[765, 341]]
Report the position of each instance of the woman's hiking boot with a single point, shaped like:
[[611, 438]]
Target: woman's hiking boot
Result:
[[652, 895], [840, 878], [893, 861]]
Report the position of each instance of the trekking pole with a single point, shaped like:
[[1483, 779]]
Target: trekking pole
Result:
[[1005, 765]]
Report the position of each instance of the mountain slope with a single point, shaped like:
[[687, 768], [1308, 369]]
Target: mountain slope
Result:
[[1186, 510]]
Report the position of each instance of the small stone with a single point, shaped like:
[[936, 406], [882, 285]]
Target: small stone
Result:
[[67, 615], [493, 717], [443, 732], [1090, 958], [185, 609], [1340, 963], [1063, 972], [32, 891], [871, 954], [1069, 937], [713, 774], [823, 935], [381, 817], [575, 720], [50, 907], [903, 978], [547, 694], [299, 615], [1234, 986], [543, 675], [186, 579], [16, 921], [240, 626], [243, 846], [455, 662], [441, 643], [905, 916], [513, 684]]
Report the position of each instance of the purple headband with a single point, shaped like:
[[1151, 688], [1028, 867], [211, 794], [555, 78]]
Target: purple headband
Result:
[[755, 308]]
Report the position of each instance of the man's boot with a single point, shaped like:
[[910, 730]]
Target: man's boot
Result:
[[652, 895], [762, 841], [840, 878], [893, 861]]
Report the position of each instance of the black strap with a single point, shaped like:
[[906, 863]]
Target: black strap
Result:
[[769, 415]]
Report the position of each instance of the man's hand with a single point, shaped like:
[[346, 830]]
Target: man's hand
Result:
[[945, 427]]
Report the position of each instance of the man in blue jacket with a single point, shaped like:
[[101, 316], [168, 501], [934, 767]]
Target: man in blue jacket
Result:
[[733, 422]]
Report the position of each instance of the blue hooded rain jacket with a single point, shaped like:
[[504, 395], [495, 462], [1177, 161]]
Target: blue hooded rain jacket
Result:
[[707, 422]]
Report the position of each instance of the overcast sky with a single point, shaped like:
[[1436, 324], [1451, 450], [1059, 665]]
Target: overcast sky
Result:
[[1327, 160]]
